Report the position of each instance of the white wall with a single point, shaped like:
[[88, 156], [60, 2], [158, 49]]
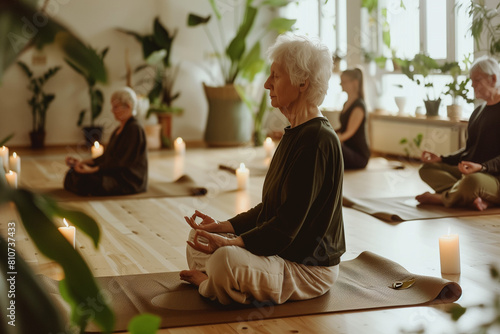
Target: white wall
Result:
[[95, 21]]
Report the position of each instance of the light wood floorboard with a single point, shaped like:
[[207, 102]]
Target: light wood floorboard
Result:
[[148, 235]]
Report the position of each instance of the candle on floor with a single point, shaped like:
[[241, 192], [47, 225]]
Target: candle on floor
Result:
[[11, 179], [449, 253], [4, 153], [15, 165], [69, 232], [242, 177], [179, 146], [269, 146], [97, 150]]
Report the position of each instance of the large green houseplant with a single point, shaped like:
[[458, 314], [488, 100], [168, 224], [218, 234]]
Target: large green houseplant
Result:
[[39, 102], [157, 50], [35, 312], [92, 132], [485, 23], [238, 63]]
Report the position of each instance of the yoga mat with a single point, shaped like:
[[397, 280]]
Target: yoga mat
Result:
[[398, 209], [183, 186], [363, 283]]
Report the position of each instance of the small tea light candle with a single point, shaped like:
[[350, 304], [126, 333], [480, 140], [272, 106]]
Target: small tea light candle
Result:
[[11, 179], [242, 177], [97, 150], [269, 146], [179, 146], [449, 253], [69, 232], [15, 165], [4, 153]]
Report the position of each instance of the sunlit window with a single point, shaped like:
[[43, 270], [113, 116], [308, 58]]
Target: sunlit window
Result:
[[404, 23]]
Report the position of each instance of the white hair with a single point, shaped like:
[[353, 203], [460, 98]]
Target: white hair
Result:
[[487, 65], [304, 59], [126, 95]]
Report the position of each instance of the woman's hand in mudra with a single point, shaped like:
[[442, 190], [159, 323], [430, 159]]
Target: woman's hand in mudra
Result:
[[207, 242], [83, 168], [208, 223]]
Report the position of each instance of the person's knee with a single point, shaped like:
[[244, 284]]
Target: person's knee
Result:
[[471, 184], [223, 262]]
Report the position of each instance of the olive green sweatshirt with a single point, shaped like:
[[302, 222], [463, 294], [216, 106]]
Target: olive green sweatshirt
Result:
[[300, 216]]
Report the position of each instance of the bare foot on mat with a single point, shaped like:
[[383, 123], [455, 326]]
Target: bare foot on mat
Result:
[[194, 277], [428, 198], [480, 204]]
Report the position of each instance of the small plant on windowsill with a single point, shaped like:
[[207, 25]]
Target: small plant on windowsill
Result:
[[457, 89], [412, 147]]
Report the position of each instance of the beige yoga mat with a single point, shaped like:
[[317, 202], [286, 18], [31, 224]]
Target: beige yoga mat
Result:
[[364, 283], [398, 209], [183, 186]]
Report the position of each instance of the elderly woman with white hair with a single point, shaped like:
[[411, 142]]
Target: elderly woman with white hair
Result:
[[471, 176], [288, 247], [123, 167]]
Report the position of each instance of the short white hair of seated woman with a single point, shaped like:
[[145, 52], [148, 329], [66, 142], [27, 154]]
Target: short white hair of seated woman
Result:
[[487, 65], [304, 59], [126, 95]]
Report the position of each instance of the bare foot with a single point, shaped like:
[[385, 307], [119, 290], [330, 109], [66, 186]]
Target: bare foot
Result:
[[480, 204], [193, 276], [428, 198]]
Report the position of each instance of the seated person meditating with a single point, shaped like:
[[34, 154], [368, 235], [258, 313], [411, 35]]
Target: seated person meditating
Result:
[[352, 131], [288, 247], [123, 168], [471, 176]]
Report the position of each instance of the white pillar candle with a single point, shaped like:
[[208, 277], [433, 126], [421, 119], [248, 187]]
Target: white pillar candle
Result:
[[69, 232], [11, 179], [97, 150], [4, 153], [15, 165], [269, 146], [449, 253], [179, 146], [242, 177]]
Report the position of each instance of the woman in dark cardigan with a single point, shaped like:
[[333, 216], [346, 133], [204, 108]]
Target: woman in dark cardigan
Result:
[[352, 131], [123, 168]]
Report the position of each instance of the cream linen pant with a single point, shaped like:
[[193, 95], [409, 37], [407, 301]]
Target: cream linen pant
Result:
[[235, 274]]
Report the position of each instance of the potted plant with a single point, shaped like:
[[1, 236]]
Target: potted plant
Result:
[[92, 132], [485, 21], [157, 49], [227, 123], [39, 102], [418, 70], [456, 89]]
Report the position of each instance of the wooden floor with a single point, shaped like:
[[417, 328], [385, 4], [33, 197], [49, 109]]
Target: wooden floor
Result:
[[148, 235]]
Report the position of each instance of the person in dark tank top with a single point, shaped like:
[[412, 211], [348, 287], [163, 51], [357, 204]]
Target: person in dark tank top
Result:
[[352, 132]]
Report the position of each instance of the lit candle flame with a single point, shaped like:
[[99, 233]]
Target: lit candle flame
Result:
[[65, 222], [14, 155], [96, 144], [179, 140], [269, 140], [242, 165]]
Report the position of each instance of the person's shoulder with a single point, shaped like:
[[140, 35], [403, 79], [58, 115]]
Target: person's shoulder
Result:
[[360, 103]]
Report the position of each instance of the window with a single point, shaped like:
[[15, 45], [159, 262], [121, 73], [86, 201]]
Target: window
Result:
[[325, 20]]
